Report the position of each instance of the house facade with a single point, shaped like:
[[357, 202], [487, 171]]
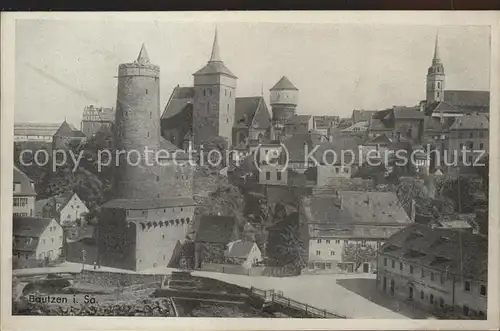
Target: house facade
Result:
[[36, 241], [96, 118], [440, 270], [68, 209], [243, 253], [346, 228], [24, 194]]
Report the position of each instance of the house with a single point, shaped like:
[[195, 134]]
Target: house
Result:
[[23, 194], [67, 136], [299, 124], [441, 270], [96, 118], [212, 235], [35, 132], [358, 129], [68, 209], [399, 120], [346, 228], [468, 137], [361, 116], [324, 124], [36, 241], [244, 253]]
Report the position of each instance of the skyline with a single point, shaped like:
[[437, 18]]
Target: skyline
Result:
[[346, 79]]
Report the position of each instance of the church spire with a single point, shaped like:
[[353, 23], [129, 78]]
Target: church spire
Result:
[[215, 57], [143, 57], [436, 58]]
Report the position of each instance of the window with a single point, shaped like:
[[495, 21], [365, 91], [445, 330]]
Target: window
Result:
[[204, 92], [465, 310], [319, 241], [393, 264], [471, 134], [363, 243], [337, 242], [411, 269], [385, 261], [146, 91], [52, 239], [481, 146], [431, 298], [268, 175], [461, 146], [482, 290], [225, 93], [481, 134], [400, 265], [346, 242], [432, 276], [157, 178], [421, 295], [467, 286], [332, 253], [327, 241], [318, 252], [278, 175], [441, 302]]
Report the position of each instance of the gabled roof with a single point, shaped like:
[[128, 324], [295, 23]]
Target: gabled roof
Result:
[[362, 115], [402, 112], [444, 107], [180, 99], [240, 249], [361, 125], [216, 229], [298, 119], [251, 111], [283, 84], [452, 251], [473, 121], [25, 226], [68, 130], [468, 100], [26, 183]]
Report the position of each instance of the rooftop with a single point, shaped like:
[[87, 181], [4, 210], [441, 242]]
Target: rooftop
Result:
[[457, 252], [473, 121], [27, 188], [215, 229], [283, 84]]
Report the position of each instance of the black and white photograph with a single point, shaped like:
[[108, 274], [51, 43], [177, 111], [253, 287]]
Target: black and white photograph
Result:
[[250, 169]]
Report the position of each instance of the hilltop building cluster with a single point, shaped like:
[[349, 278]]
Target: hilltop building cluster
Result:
[[151, 215]]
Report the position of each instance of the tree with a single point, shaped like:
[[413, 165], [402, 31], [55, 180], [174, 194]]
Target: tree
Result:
[[355, 252]]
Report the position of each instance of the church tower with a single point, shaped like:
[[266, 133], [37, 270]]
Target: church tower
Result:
[[214, 99], [284, 97], [435, 78]]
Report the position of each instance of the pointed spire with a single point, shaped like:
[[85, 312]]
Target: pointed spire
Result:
[[215, 57], [143, 57], [436, 50]]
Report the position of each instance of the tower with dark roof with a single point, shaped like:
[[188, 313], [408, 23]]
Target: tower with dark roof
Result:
[[284, 98], [435, 77], [152, 206], [214, 99]]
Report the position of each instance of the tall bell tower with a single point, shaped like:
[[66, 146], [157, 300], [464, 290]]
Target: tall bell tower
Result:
[[435, 77], [214, 99]]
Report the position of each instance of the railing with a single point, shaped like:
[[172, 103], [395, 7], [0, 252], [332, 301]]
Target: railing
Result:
[[309, 310]]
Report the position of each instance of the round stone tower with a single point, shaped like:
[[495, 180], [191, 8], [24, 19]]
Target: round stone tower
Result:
[[284, 97], [137, 129]]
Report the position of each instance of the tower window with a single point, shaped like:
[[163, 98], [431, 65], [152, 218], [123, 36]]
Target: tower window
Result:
[[204, 92], [229, 93], [438, 94], [439, 85], [146, 91]]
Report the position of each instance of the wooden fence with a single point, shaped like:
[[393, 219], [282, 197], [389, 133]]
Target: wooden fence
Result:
[[272, 297]]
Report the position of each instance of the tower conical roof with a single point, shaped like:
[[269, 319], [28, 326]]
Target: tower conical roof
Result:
[[215, 57], [284, 84], [215, 64], [143, 57], [436, 58]]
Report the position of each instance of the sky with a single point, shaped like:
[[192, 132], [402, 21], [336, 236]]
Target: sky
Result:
[[61, 66]]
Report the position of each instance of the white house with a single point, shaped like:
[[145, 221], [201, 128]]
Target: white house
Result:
[[35, 241], [65, 208], [23, 194], [244, 253]]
